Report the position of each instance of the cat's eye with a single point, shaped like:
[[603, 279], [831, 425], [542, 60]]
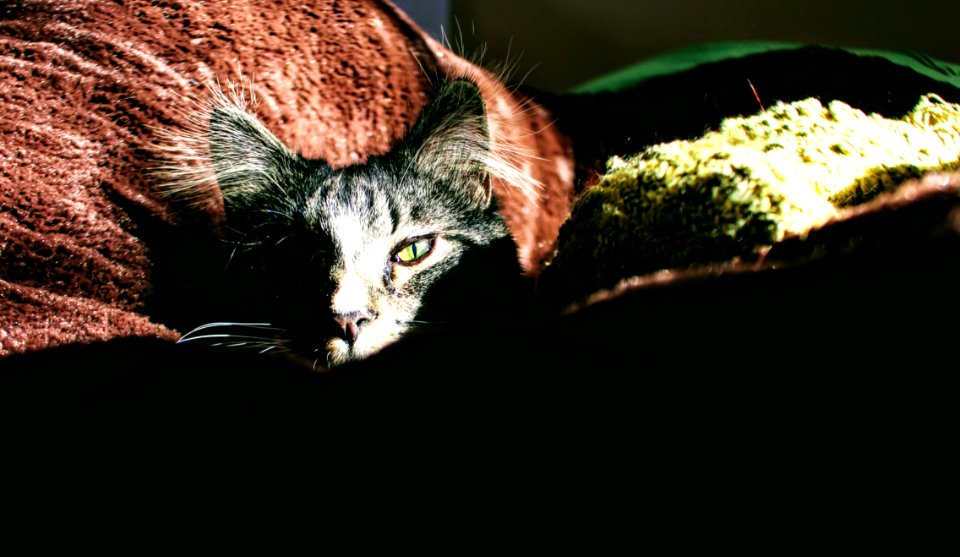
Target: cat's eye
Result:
[[414, 250]]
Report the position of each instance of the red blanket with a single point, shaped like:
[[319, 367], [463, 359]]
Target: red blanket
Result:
[[85, 87]]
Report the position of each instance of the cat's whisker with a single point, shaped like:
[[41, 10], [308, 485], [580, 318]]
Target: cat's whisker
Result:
[[421, 325], [282, 240], [230, 257], [234, 338], [235, 335], [233, 344], [263, 344], [262, 326]]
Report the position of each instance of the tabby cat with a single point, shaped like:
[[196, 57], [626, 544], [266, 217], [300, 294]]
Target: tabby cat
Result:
[[333, 264]]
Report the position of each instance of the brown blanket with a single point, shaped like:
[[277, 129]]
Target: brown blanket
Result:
[[85, 87]]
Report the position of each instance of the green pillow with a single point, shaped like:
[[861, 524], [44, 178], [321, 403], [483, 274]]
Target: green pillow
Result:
[[727, 156], [688, 58]]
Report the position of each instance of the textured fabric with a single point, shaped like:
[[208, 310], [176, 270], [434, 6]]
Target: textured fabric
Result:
[[90, 249]]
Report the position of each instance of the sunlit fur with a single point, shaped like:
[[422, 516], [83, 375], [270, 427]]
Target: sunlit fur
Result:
[[314, 247]]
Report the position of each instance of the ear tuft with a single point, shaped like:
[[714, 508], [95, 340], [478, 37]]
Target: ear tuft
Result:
[[246, 156], [220, 146], [451, 140]]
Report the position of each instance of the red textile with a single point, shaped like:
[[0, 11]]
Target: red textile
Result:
[[84, 87]]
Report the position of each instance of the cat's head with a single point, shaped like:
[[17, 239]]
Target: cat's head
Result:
[[341, 262]]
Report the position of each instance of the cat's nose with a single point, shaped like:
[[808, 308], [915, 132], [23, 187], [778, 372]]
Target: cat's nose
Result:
[[351, 323]]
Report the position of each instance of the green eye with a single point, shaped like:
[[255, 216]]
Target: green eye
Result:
[[414, 251]]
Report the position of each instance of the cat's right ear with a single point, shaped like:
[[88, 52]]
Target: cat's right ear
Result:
[[451, 139], [247, 158]]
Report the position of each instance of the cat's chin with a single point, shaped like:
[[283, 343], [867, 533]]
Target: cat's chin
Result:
[[340, 351]]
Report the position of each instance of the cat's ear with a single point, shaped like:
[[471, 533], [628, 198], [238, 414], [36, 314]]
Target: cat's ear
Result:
[[451, 140], [247, 158]]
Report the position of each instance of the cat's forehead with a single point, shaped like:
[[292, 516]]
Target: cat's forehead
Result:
[[353, 203], [382, 200]]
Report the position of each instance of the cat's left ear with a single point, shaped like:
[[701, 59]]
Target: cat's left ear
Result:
[[247, 158], [451, 140]]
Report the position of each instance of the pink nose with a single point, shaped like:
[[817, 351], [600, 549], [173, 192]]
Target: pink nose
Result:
[[351, 323]]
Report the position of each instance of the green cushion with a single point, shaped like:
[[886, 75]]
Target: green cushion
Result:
[[672, 214], [688, 58]]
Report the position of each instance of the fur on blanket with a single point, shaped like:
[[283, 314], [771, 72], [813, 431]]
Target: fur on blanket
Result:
[[90, 249]]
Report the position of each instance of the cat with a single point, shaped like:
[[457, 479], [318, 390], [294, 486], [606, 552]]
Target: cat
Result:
[[333, 264]]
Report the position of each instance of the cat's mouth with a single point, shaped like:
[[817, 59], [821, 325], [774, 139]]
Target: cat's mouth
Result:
[[361, 343], [339, 351]]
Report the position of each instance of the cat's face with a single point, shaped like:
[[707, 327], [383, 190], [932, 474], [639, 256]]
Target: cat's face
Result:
[[342, 262]]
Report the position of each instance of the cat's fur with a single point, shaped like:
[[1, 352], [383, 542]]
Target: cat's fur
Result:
[[318, 253]]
